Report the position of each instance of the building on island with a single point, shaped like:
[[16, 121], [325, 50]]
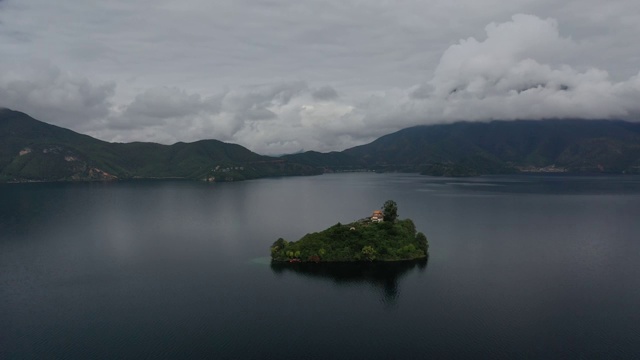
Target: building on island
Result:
[[377, 216]]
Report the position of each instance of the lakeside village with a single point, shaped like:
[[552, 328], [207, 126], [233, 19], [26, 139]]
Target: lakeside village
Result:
[[220, 170], [379, 237]]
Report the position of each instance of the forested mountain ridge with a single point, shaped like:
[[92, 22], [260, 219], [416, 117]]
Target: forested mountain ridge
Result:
[[497, 147], [31, 150]]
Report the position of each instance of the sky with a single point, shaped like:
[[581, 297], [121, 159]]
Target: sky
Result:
[[283, 76]]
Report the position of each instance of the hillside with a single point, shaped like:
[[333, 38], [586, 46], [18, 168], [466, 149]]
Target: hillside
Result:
[[497, 147], [31, 150]]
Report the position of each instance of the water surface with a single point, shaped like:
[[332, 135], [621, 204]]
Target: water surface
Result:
[[520, 267]]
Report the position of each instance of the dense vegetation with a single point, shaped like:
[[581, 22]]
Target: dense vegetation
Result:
[[497, 147], [363, 240], [31, 150]]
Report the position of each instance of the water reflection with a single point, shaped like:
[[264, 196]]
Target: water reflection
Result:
[[382, 276]]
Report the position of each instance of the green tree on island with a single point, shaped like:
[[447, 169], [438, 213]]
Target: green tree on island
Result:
[[390, 211], [369, 253], [363, 240]]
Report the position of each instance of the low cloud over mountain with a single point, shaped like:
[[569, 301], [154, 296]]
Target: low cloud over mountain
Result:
[[337, 92]]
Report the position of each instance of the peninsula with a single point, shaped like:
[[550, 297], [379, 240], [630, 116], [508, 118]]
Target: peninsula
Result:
[[379, 237]]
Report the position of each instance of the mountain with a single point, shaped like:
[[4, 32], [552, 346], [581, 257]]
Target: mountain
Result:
[[31, 150], [497, 147]]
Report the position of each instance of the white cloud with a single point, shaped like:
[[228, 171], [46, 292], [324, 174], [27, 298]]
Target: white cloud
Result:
[[512, 75], [330, 75]]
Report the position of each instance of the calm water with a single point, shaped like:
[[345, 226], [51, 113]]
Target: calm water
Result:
[[520, 267]]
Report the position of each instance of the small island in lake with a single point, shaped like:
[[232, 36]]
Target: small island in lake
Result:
[[379, 237]]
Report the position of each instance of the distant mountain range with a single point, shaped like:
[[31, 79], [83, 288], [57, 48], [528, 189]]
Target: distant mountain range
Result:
[[31, 150], [497, 147]]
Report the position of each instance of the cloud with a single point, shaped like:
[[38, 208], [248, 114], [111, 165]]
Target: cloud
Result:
[[168, 102], [182, 72], [176, 115], [254, 103], [324, 93], [513, 74], [273, 119], [46, 92]]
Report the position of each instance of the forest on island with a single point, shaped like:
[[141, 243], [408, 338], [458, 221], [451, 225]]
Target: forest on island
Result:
[[362, 240]]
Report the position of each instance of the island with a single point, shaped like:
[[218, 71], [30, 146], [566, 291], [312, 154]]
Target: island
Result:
[[379, 237]]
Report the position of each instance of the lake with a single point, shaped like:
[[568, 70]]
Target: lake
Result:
[[520, 267]]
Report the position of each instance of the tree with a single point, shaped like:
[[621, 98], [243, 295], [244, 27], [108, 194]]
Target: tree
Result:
[[390, 211], [421, 239], [279, 244], [369, 252]]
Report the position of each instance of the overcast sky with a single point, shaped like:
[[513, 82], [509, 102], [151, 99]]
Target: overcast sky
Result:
[[281, 76]]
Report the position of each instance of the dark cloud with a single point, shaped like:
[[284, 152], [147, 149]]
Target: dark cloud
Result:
[[47, 92], [168, 102], [324, 93]]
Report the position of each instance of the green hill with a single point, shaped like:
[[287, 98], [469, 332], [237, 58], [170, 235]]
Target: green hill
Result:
[[31, 150], [364, 240], [497, 147]]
